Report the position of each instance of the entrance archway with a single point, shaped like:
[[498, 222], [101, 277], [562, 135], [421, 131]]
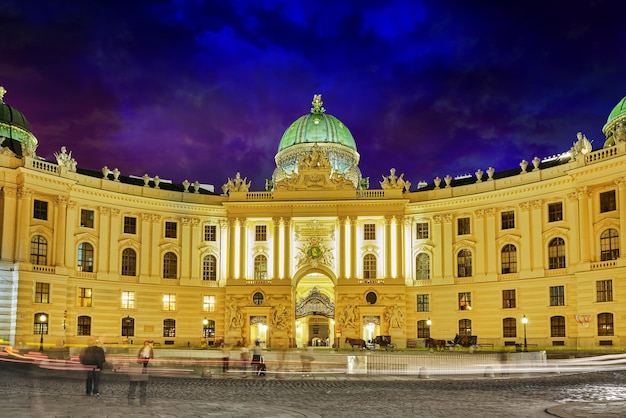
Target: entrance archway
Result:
[[315, 311]]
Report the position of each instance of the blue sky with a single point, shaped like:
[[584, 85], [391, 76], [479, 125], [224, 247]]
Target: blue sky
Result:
[[200, 90]]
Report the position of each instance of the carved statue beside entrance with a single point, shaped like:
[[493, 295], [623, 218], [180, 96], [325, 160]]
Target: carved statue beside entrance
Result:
[[235, 317], [395, 317], [348, 318], [279, 317]]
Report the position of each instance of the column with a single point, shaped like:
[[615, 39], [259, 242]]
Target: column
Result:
[[399, 247], [535, 226], [59, 230], [102, 265], [341, 250], [583, 225], [407, 253], [488, 247], [10, 219], [70, 248], [114, 250], [194, 252], [480, 232], [437, 236], [621, 205], [449, 258], [225, 257], [353, 239], [527, 247], [276, 248], [243, 248], [22, 237], [287, 244], [232, 249], [185, 243], [388, 252], [155, 255], [144, 257], [572, 213]]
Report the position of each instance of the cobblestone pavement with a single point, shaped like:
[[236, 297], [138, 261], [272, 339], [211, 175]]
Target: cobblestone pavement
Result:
[[26, 391]]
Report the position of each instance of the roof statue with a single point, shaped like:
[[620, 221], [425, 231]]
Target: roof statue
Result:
[[65, 160], [236, 185], [317, 104], [582, 146], [3, 91], [394, 182]]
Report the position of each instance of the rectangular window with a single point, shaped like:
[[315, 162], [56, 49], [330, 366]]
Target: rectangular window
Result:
[[423, 329], [422, 230], [86, 218], [508, 299], [169, 301], [170, 229], [555, 212], [369, 231], [84, 297], [604, 290], [557, 326], [130, 225], [128, 300], [509, 328], [465, 301], [260, 233], [84, 326], [169, 328], [607, 201], [210, 233], [208, 303], [463, 226], [42, 292], [557, 295], [423, 303], [40, 210], [508, 219]]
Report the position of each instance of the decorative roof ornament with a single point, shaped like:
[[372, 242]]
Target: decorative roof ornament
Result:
[[317, 104], [3, 91]]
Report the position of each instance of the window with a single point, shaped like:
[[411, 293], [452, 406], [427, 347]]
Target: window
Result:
[[128, 300], [42, 292], [369, 231], [260, 267], [169, 301], [464, 263], [369, 266], [463, 226], [509, 327], [509, 259], [604, 290], [465, 327], [258, 298], [128, 327], [508, 299], [609, 245], [210, 233], [557, 295], [557, 326], [84, 297], [129, 262], [209, 268], [170, 265], [556, 254], [169, 327], [84, 326], [208, 303], [130, 225], [422, 267], [371, 298], [555, 212], [605, 324], [39, 250], [40, 210], [607, 201], [208, 328], [422, 230], [423, 303], [40, 324], [423, 330], [508, 219], [85, 257], [170, 229], [86, 218], [260, 233], [465, 301]]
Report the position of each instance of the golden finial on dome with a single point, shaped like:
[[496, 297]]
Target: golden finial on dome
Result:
[[317, 104], [2, 93]]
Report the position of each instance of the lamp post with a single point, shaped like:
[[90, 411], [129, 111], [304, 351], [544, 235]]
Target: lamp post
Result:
[[429, 323], [205, 323], [525, 321], [42, 321]]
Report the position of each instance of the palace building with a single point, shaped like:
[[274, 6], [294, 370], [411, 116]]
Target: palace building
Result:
[[320, 255]]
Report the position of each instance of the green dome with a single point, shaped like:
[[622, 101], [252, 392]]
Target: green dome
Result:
[[15, 129], [317, 127], [613, 128]]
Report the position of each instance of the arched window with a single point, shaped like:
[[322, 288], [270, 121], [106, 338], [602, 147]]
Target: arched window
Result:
[[509, 259], [169, 327], [39, 250], [464, 263], [84, 326], [465, 327], [605, 324], [557, 326], [170, 265], [209, 268], [609, 245], [509, 328], [369, 266], [129, 262], [422, 267], [85, 257], [556, 254], [260, 267], [128, 327]]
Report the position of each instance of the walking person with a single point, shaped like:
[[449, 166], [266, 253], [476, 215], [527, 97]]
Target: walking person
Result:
[[225, 357], [257, 354], [93, 357], [144, 355], [245, 357]]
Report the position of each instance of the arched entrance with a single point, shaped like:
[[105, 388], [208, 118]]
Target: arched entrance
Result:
[[315, 311]]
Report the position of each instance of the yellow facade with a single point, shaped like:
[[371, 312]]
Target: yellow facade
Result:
[[313, 261]]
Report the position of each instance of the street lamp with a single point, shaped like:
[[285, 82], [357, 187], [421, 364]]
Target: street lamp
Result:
[[205, 324], [428, 324], [525, 321], [42, 322]]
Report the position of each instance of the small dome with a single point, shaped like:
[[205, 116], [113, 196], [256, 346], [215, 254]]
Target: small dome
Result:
[[15, 129]]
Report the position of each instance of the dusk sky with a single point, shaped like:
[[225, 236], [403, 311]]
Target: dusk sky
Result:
[[200, 90]]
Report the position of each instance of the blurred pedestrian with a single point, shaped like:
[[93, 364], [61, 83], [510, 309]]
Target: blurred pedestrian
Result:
[[93, 357], [225, 357], [257, 357], [145, 354], [245, 357]]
